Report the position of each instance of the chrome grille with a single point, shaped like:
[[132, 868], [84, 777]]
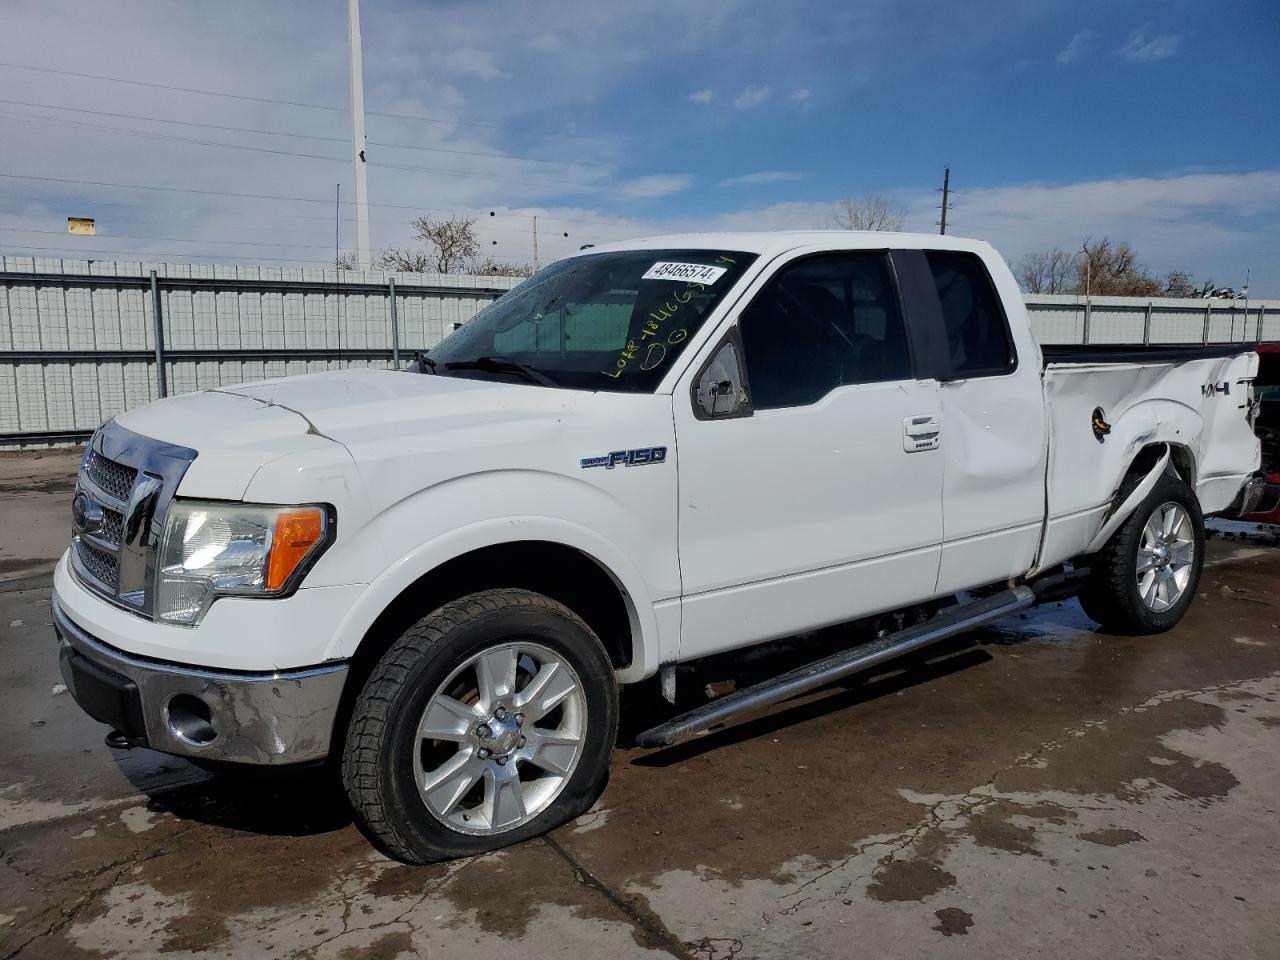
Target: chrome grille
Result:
[[113, 478], [112, 527], [100, 565], [126, 483]]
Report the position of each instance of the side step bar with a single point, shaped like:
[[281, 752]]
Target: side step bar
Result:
[[837, 666]]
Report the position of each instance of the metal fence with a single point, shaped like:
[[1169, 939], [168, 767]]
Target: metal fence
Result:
[[81, 341]]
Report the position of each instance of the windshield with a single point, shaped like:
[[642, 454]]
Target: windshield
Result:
[[608, 321]]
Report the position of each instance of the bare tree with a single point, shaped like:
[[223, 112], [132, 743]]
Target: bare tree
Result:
[[1047, 271], [454, 241], [871, 211], [499, 268], [345, 261], [1112, 269], [1178, 283], [398, 260]]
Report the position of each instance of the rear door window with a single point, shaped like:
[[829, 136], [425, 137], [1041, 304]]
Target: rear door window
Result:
[[978, 340]]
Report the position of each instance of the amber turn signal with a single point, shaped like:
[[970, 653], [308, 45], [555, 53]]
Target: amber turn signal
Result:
[[297, 532]]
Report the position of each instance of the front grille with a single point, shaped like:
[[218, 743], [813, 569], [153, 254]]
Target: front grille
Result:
[[122, 472], [114, 478], [103, 567], [112, 527]]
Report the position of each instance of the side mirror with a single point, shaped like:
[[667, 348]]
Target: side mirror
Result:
[[720, 391]]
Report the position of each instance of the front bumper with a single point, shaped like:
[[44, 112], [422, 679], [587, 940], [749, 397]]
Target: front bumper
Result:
[[260, 718]]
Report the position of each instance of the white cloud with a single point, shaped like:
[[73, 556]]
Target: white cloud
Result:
[[467, 61], [801, 97], [1144, 46], [1214, 225], [764, 176], [546, 41], [1076, 47], [752, 97], [701, 96], [659, 185]]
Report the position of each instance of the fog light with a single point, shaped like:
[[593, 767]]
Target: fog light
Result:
[[190, 720]]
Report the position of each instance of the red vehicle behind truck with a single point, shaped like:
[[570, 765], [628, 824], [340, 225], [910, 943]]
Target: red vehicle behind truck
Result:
[[1267, 391]]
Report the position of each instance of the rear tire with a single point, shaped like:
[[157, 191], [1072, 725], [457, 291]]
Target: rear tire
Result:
[[1146, 576], [489, 721]]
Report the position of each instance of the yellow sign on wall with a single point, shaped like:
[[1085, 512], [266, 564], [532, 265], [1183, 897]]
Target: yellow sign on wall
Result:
[[82, 226]]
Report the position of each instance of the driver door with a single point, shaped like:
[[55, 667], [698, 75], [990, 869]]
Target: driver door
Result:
[[809, 466]]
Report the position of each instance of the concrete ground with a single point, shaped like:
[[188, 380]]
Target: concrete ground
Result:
[[1036, 789]]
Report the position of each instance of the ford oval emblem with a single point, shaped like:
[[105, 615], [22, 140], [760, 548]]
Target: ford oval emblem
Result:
[[86, 516]]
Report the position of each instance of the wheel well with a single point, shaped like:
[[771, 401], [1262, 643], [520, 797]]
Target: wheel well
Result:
[[552, 569], [1182, 460]]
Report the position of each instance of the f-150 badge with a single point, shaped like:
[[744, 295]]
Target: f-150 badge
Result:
[[628, 458]]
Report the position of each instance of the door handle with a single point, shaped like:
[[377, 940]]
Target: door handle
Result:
[[921, 433]]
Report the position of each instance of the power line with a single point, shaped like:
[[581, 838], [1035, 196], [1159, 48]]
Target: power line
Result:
[[268, 196], [309, 106], [489, 228], [148, 254], [248, 243], [344, 140], [573, 186], [181, 123], [185, 255]]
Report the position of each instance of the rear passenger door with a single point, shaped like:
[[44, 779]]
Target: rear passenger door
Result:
[[993, 422], [810, 476]]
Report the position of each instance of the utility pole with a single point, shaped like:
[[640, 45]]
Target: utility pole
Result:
[[357, 136], [946, 196], [535, 243]]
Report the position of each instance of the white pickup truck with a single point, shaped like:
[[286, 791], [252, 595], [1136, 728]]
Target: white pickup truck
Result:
[[646, 454]]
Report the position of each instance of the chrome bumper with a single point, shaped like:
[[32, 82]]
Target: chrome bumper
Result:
[[261, 718]]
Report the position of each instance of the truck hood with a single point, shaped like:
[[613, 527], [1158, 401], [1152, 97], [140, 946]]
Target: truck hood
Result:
[[346, 414], [358, 406], [233, 435]]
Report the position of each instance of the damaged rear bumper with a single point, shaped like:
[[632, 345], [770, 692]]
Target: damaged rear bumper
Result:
[[1266, 507], [1256, 496]]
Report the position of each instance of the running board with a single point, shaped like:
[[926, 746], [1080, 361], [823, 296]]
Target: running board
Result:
[[837, 666]]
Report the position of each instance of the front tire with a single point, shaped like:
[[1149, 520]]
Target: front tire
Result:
[[1146, 576], [489, 721]]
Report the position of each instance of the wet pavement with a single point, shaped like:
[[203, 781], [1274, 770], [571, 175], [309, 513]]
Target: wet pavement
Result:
[[1034, 788]]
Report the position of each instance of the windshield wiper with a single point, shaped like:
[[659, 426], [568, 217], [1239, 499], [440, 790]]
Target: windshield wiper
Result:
[[499, 364], [422, 363]]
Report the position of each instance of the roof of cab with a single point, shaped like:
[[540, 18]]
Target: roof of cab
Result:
[[774, 242]]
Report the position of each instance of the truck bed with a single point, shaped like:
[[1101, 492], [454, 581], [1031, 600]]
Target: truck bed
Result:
[[1107, 403]]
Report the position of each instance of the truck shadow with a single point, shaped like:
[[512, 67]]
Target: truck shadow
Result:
[[284, 802], [954, 656], [643, 707]]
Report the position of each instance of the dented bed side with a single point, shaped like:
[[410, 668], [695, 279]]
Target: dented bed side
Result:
[[1102, 414]]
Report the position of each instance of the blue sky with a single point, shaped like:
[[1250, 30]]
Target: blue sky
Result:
[[1151, 122]]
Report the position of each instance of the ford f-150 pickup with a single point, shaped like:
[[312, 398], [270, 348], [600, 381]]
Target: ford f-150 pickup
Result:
[[645, 454]]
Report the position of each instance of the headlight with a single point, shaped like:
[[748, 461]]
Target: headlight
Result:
[[217, 549]]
